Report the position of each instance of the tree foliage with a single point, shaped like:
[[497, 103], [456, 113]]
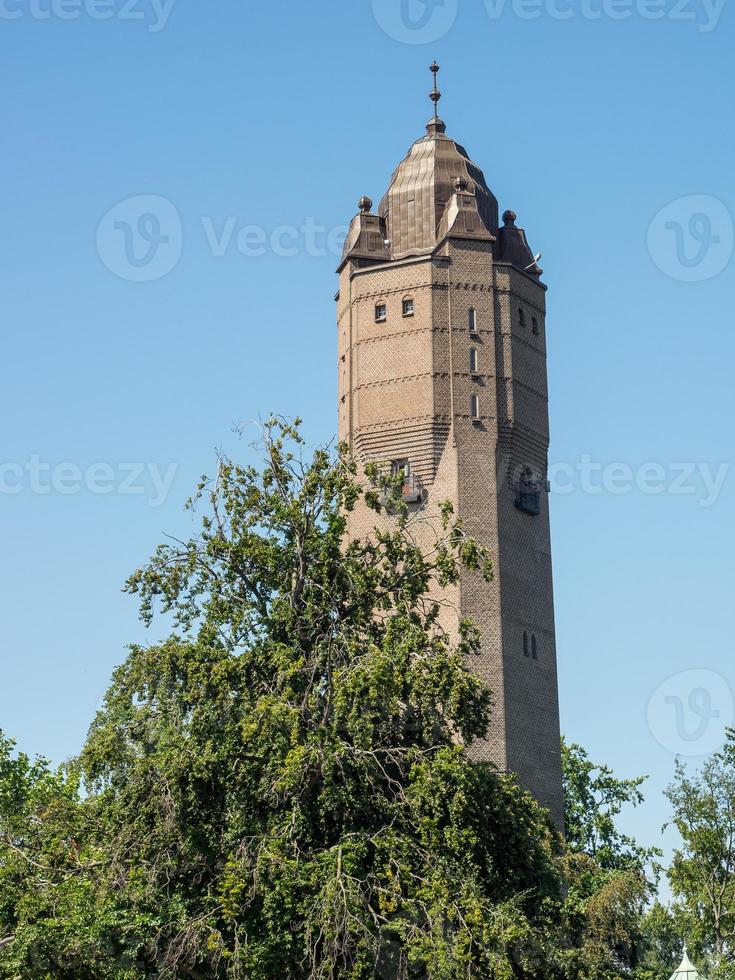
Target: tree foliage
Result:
[[281, 787], [702, 873], [661, 945], [614, 877], [593, 800]]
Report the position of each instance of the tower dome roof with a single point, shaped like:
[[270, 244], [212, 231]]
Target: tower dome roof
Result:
[[422, 186]]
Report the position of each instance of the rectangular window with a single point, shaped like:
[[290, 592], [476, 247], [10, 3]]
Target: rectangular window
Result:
[[400, 467], [408, 307], [473, 360], [474, 408], [381, 312], [472, 319], [534, 325], [529, 494], [410, 484]]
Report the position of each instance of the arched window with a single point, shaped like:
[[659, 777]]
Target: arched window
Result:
[[474, 408], [534, 647], [526, 652], [473, 360], [381, 312], [472, 319]]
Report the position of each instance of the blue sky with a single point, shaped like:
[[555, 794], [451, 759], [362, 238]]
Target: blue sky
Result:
[[601, 122]]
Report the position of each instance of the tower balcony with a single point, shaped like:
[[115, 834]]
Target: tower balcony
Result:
[[411, 490], [410, 487]]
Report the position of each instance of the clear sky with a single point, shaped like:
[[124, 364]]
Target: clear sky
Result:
[[133, 338]]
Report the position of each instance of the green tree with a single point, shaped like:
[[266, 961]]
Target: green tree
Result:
[[594, 797], [661, 945], [55, 919], [281, 787], [702, 873], [611, 877]]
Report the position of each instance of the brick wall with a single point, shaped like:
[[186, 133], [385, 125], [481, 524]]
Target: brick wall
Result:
[[405, 392]]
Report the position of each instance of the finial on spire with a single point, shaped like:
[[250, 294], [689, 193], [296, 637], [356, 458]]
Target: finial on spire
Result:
[[435, 94], [435, 126]]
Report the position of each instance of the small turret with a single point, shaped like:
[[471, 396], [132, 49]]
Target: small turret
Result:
[[513, 247], [366, 238], [461, 218]]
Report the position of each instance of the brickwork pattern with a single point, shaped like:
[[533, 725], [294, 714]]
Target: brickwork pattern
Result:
[[405, 393]]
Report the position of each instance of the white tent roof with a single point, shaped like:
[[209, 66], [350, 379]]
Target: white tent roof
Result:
[[686, 971]]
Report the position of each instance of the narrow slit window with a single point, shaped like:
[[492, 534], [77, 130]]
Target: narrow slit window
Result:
[[381, 312], [521, 317], [472, 319], [534, 647], [473, 360], [474, 408], [526, 651], [534, 325]]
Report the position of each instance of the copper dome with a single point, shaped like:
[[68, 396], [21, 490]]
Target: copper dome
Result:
[[422, 186]]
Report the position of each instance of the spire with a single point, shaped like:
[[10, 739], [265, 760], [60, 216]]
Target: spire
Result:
[[436, 94], [435, 124]]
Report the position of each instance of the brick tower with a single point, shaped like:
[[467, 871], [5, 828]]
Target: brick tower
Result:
[[442, 376]]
